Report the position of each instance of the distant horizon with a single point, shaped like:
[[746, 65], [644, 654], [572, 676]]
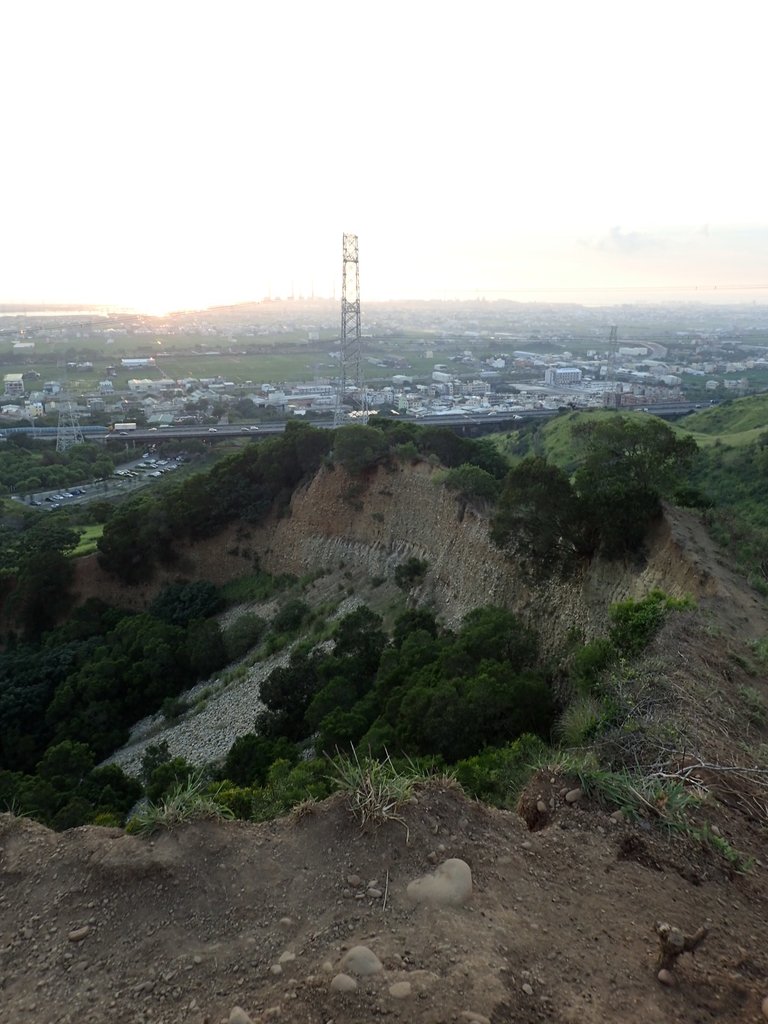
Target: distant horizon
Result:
[[588, 298]]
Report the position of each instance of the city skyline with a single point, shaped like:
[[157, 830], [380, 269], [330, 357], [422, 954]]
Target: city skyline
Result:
[[174, 156]]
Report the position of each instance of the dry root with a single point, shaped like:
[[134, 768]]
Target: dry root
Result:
[[673, 942]]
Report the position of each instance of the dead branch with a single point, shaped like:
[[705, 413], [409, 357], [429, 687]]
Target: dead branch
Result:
[[674, 942]]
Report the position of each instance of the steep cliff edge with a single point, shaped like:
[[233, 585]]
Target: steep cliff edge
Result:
[[374, 523]]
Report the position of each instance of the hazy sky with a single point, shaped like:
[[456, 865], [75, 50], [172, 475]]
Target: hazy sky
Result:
[[169, 153]]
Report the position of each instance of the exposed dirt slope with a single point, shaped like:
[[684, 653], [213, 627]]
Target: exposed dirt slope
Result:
[[560, 925], [372, 525]]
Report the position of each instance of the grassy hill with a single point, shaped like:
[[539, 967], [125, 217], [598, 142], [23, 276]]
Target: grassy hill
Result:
[[735, 417], [734, 424]]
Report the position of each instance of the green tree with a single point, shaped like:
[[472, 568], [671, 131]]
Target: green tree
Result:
[[539, 515], [629, 466], [472, 483], [644, 454], [179, 603], [66, 764], [359, 448], [250, 758]]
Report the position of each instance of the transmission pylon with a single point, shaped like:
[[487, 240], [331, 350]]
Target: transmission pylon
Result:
[[69, 433], [349, 354], [613, 345]]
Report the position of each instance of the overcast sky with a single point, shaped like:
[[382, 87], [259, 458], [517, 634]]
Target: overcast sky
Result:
[[173, 153]]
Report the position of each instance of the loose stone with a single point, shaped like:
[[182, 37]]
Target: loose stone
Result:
[[343, 983], [400, 990], [237, 1015], [362, 961]]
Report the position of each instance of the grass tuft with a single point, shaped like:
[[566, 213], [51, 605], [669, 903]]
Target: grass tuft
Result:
[[192, 800], [377, 789]]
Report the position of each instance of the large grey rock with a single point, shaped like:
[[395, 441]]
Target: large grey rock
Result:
[[449, 885]]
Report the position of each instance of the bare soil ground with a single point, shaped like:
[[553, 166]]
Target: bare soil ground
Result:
[[99, 926]]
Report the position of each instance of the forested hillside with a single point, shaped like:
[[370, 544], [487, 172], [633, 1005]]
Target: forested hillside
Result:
[[70, 694]]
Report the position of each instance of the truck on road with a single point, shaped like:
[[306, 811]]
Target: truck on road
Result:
[[122, 428]]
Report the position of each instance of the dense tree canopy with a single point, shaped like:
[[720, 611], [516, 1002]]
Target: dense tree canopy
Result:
[[627, 467]]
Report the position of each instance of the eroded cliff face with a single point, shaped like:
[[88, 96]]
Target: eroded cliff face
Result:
[[403, 511], [370, 525]]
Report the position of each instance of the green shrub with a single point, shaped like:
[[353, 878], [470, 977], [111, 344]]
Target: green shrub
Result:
[[410, 573], [258, 586], [635, 623], [180, 603], [589, 662], [498, 774], [580, 721], [243, 634], [290, 617], [173, 708], [288, 785], [167, 776], [754, 704]]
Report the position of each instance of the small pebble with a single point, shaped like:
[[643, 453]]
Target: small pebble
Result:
[[400, 990], [237, 1015], [666, 977]]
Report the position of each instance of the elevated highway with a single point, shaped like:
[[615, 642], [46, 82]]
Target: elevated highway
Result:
[[152, 435]]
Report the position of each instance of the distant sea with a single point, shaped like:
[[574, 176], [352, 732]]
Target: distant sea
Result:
[[53, 312]]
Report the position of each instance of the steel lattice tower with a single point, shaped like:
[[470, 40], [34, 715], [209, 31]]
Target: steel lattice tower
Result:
[[349, 355], [613, 355], [69, 432]]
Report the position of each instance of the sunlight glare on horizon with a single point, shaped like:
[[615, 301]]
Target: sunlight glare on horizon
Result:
[[185, 154]]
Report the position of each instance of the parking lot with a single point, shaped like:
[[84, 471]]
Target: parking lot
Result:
[[129, 476]]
